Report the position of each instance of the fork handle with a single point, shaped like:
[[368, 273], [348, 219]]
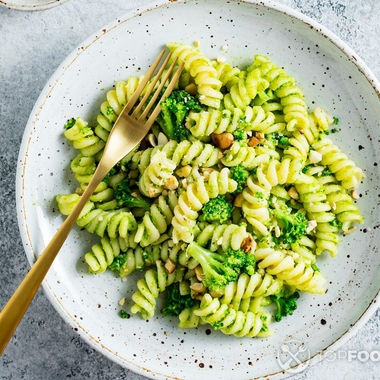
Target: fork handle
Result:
[[17, 305]]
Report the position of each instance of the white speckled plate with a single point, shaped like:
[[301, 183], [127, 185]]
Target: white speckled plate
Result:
[[31, 5], [331, 75]]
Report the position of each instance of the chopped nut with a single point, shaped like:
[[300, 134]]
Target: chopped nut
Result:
[[350, 231], [171, 183], [311, 225], [253, 141], [198, 272], [169, 266], [260, 135], [238, 201], [198, 287], [293, 193], [79, 191], [301, 131], [196, 43], [333, 205], [248, 244], [198, 297], [184, 171], [191, 89], [162, 139], [152, 139], [122, 301], [354, 194], [222, 140], [206, 173]]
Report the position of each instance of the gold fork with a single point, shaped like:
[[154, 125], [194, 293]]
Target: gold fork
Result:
[[130, 128]]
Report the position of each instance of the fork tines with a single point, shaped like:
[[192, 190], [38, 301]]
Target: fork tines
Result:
[[152, 90]]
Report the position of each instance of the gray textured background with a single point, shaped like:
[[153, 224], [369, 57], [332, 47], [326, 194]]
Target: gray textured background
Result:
[[32, 45]]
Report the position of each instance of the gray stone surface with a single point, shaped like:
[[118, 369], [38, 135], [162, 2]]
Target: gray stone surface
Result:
[[32, 45]]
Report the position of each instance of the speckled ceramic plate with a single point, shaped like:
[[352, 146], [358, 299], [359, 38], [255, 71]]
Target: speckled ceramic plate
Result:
[[31, 5], [331, 75]]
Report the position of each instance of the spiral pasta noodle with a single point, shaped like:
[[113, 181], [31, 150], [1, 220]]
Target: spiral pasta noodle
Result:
[[113, 223], [245, 90], [156, 221], [344, 169], [227, 74], [157, 175], [247, 156], [102, 254], [247, 287], [342, 204], [201, 69], [255, 205], [196, 195], [223, 236], [83, 137], [155, 281], [319, 210], [282, 265], [230, 321], [284, 86]]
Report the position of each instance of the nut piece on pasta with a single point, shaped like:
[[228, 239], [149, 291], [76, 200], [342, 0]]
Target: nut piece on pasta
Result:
[[223, 140], [169, 266], [171, 183], [248, 244]]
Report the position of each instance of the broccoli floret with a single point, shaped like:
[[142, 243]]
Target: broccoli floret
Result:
[[121, 265], [292, 225], [70, 123], [278, 139], [336, 223], [219, 269], [217, 210], [249, 266], [175, 302], [239, 135], [240, 174], [286, 304], [326, 172], [124, 197], [123, 314], [174, 110], [118, 262], [315, 268]]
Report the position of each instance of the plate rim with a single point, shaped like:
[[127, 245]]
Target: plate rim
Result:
[[49, 87], [31, 7]]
